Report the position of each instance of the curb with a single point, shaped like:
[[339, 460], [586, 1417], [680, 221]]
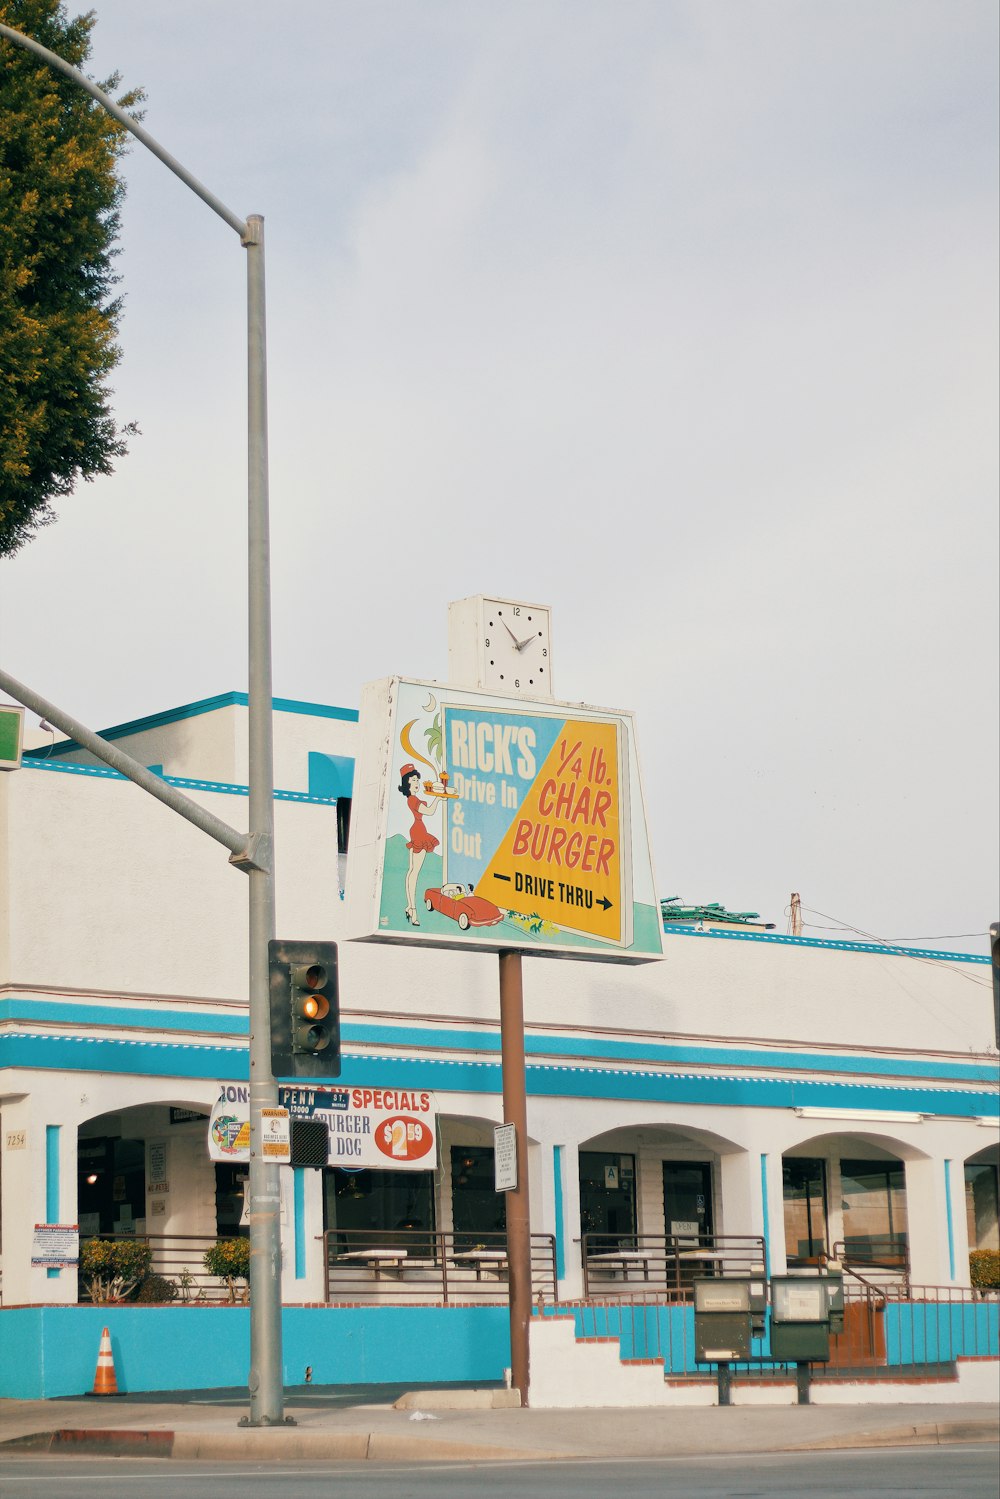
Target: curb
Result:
[[269, 1444], [934, 1434], [277, 1443]]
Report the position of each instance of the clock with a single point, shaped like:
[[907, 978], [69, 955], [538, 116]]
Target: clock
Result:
[[501, 644]]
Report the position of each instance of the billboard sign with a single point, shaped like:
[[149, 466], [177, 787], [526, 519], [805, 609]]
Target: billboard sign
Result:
[[500, 823]]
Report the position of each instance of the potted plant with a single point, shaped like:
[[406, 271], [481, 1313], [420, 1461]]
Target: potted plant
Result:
[[112, 1268], [229, 1259]]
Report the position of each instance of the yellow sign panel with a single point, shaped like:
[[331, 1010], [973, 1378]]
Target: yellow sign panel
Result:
[[562, 856]]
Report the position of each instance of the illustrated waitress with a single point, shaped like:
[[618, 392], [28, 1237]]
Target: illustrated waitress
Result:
[[421, 841]]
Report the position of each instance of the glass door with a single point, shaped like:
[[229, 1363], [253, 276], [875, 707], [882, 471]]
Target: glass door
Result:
[[607, 1196], [687, 1199]]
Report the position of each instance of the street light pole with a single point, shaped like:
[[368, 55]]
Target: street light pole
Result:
[[266, 1383]]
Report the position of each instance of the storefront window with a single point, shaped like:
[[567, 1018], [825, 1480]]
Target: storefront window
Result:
[[607, 1195], [803, 1182], [981, 1205], [357, 1202], [111, 1185], [874, 1198], [477, 1207]]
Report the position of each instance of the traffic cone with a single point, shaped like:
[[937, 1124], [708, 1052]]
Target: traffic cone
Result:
[[105, 1382]]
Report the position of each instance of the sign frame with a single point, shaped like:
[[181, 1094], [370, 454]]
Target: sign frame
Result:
[[521, 826], [505, 1157]]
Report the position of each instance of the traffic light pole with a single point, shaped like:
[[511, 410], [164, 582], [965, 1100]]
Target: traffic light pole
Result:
[[254, 853]]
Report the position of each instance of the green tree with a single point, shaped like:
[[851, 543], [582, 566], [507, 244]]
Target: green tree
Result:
[[59, 204]]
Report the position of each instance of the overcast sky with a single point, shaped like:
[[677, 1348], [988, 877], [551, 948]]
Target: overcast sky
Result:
[[678, 316]]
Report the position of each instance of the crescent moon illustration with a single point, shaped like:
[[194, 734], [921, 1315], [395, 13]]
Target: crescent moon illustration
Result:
[[414, 754], [431, 703]]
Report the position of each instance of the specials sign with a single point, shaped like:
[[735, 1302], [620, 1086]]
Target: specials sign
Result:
[[496, 822], [374, 1128]]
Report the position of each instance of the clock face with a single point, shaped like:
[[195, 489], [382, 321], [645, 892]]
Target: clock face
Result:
[[517, 648]]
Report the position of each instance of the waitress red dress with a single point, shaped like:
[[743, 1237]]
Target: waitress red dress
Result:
[[421, 841]]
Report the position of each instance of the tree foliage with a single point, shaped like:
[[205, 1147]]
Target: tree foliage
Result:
[[60, 195]]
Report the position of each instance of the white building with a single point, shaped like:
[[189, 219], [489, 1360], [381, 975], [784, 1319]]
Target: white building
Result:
[[750, 1087]]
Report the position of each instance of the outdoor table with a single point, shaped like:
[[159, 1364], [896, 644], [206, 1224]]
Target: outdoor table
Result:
[[489, 1259], [623, 1259], [377, 1260]]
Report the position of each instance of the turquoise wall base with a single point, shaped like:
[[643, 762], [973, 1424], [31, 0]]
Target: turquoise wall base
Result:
[[49, 1351]]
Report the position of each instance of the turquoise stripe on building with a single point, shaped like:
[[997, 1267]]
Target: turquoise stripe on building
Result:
[[194, 710], [488, 1042], [52, 1192], [948, 1220], [187, 783], [164, 1059], [557, 1185], [299, 1215]]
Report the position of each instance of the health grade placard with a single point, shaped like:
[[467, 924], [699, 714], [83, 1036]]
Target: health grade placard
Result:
[[498, 823], [561, 856]]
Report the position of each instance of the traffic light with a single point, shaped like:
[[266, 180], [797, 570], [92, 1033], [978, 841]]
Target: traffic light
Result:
[[305, 1009]]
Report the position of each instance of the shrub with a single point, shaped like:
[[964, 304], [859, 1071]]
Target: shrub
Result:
[[112, 1268], [984, 1269], [229, 1259], [156, 1289]]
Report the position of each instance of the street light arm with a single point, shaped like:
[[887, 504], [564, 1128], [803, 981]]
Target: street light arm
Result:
[[55, 61]]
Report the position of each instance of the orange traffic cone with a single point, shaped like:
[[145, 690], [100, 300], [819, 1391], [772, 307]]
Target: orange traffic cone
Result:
[[105, 1382]]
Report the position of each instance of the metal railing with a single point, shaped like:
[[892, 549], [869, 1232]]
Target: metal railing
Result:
[[179, 1260], [884, 1336], [408, 1265], [884, 1262], [665, 1264]]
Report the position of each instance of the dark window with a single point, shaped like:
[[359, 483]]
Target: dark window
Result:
[[111, 1184], [385, 1202], [803, 1182], [607, 1195], [477, 1207]]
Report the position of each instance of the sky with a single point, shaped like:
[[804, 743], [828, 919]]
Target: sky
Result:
[[679, 317]]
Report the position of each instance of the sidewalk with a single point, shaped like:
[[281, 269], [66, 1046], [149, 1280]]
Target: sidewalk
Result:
[[381, 1432]]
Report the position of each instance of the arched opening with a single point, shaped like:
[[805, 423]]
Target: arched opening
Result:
[[845, 1194]]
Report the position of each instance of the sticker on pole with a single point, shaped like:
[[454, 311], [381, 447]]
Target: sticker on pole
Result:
[[276, 1135]]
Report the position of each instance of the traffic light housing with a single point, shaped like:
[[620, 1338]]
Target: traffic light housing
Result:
[[305, 1009]]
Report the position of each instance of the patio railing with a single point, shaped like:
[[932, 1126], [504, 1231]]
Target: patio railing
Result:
[[407, 1265], [665, 1264]]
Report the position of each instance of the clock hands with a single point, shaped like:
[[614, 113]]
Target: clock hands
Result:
[[519, 645]]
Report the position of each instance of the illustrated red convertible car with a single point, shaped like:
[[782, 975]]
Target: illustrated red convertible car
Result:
[[462, 906]]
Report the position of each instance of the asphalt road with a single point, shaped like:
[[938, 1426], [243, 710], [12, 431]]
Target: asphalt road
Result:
[[955, 1472]]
